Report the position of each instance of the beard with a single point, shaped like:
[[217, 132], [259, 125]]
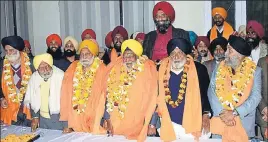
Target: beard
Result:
[[69, 53], [162, 26], [253, 42], [117, 46], [232, 61], [219, 57], [203, 53], [177, 65], [129, 65], [86, 62], [13, 58], [46, 75], [218, 23], [55, 54]]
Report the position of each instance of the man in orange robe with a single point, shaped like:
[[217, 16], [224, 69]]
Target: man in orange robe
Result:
[[15, 72], [81, 87], [129, 95]]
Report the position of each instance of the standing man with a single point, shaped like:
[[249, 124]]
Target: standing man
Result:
[[234, 93], [217, 49], [88, 34], [155, 42], [43, 94], [262, 111], [16, 70], [54, 44], [202, 54], [221, 27], [255, 33], [129, 95], [81, 87], [119, 35], [183, 105], [28, 49]]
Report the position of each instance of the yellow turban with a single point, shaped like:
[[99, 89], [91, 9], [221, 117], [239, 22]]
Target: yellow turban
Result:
[[219, 10], [133, 45], [47, 58], [73, 40], [92, 46]]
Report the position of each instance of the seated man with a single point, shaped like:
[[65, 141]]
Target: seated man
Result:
[[234, 93], [183, 104], [217, 49], [130, 93], [81, 86], [43, 94]]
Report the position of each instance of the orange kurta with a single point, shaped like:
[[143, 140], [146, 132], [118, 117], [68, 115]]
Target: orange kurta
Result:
[[235, 133], [142, 102], [227, 31], [10, 114], [192, 116], [82, 122]]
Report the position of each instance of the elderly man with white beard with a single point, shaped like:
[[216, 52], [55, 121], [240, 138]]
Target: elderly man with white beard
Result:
[[43, 94], [182, 102], [15, 72]]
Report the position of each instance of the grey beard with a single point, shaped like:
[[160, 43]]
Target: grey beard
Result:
[[232, 62], [219, 57], [46, 76]]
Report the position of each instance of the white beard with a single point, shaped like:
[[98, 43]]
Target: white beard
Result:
[[13, 58], [46, 76], [178, 65], [86, 62]]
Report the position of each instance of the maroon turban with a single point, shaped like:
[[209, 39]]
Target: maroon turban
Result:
[[108, 39], [90, 32], [120, 30], [257, 27], [202, 38], [167, 8], [140, 35]]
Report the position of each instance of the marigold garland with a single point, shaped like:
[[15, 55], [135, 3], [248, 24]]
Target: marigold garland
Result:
[[117, 97], [8, 77], [82, 85], [243, 74]]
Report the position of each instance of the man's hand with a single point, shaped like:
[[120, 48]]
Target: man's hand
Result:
[[151, 130], [67, 130], [34, 124], [4, 103], [265, 118], [227, 117], [107, 124], [206, 123], [265, 111]]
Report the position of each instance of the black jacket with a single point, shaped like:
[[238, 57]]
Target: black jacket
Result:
[[149, 40]]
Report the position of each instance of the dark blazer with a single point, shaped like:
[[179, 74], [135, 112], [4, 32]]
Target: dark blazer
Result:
[[1, 72], [149, 40]]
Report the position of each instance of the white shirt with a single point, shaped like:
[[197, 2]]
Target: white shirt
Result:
[[255, 54], [220, 30]]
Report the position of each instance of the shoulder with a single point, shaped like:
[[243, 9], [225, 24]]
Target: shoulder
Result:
[[258, 70], [151, 33], [179, 30], [199, 66], [261, 61], [57, 70]]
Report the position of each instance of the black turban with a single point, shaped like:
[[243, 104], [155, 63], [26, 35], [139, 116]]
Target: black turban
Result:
[[183, 44], [240, 45], [14, 41], [218, 41]]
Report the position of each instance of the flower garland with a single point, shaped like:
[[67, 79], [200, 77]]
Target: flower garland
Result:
[[14, 96], [118, 96], [243, 74], [82, 85], [182, 89]]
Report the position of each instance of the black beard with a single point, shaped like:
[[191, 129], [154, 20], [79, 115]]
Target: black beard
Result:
[[218, 23], [56, 55], [69, 53], [117, 48], [162, 28], [253, 42]]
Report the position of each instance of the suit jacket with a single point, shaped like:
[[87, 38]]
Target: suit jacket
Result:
[[211, 65], [149, 40], [264, 103], [247, 110]]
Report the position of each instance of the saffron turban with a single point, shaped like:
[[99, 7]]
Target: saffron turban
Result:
[[133, 45], [257, 27], [167, 8], [38, 59], [90, 32], [92, 46], [108, 39], [14, 41], [202, 38], [240, 45], [27, 44], [55, 37], [219, 10], [73, 41], [181, 43], [140, 36], [120, 30]]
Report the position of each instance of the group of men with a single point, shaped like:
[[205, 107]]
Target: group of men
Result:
[[169, 83]]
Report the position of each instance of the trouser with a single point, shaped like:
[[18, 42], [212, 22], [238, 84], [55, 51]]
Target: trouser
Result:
[[21, 120]]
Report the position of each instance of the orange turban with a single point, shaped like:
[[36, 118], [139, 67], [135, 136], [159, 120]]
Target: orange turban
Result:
[[27, 44], [92, 46], [54, 37], [90, 32], [219, 10]]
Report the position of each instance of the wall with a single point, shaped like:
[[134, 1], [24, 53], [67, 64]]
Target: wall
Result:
[[43, 20]]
